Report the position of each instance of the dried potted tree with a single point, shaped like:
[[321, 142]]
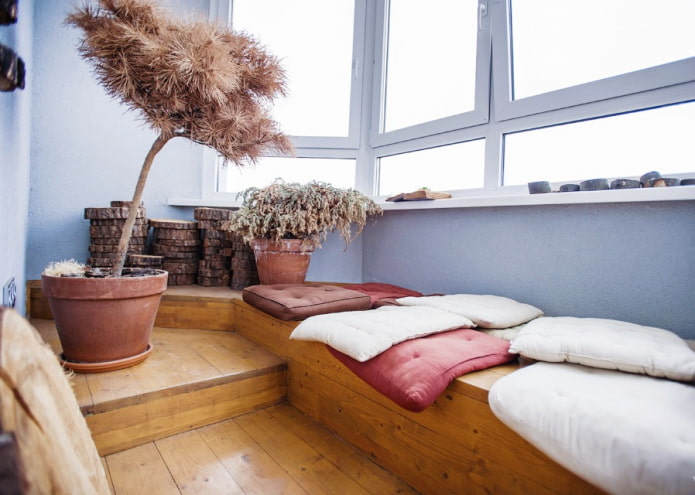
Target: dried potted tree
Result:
[[284, 222], [195, 80]]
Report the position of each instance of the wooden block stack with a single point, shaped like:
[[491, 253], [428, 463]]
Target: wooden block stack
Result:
[[244, 272], [105, 227], [145, 261], [214, 267], [177, 241]]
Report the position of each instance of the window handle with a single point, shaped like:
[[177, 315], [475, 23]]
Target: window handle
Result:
[[482, 13]]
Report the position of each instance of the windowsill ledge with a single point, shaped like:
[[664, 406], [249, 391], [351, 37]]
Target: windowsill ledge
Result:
[[679, 193]]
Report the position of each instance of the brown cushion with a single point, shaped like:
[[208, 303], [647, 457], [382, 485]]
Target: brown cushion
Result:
[[296, 302], [383, 294]]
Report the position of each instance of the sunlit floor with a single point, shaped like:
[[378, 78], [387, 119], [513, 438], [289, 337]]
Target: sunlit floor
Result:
[[276, 450]]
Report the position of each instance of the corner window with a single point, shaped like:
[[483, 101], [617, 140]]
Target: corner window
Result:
[[619, 146], [321, 46], [339, 172], [557, 45], [314, 40], [475, 97], [430, 61], [444, 168]]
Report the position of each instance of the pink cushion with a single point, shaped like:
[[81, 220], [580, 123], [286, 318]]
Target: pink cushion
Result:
[[299, 301], [414, 373], [383, 293]]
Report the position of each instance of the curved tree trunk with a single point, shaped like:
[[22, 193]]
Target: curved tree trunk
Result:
[[119, 261]]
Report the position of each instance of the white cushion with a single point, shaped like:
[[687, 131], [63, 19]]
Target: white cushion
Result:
[[609, 344], [486, 311], [625, 433], [365, 334], [508, 334]]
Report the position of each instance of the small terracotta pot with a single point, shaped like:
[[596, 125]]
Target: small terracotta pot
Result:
[[101, 320], [281, 262]]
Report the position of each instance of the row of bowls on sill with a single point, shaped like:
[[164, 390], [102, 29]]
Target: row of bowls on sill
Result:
[[651, 179]]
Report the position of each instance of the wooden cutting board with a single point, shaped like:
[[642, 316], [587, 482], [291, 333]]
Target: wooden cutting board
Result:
[[419, 195]]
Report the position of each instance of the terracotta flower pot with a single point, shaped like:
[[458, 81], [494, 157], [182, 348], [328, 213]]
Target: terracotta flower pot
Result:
[[104, 323], [281, 262]]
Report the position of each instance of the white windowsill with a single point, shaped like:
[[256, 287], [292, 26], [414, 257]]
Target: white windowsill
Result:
[[678, 193]]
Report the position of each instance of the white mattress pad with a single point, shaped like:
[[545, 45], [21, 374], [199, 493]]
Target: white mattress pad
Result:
[[625, 433]]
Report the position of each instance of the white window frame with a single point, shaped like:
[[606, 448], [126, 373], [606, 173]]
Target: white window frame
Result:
[[652, 87], [649, 79], [495, 113], [462, 127], [479, 115], [341, 147]]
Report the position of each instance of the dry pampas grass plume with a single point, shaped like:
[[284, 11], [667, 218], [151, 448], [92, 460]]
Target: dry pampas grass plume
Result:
[[190, 79]]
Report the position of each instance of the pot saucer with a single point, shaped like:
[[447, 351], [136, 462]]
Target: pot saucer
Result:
[[101, 366]]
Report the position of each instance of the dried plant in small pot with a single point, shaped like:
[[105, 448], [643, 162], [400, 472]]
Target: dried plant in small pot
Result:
[[189, 79], [285, 221]]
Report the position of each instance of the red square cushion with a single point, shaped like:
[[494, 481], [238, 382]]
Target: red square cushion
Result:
[[414, 373], [299, 301], [383, 293]]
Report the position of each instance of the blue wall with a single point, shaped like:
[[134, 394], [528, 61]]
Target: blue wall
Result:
[[633, 262], [15, 135], [87, 149]]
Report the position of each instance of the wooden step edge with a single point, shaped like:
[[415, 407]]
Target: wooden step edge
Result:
[[140, 423], [193, 306], [200, 293], [185, 388]]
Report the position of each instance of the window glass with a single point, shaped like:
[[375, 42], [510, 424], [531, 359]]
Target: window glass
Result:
[[626, 145], [430, 55], [455, 166], [430, 67], [338, 172], [313, 38], [558, 44]]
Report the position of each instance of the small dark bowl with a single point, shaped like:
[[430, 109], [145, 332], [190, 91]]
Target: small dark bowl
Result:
[[539, 187], [663, 182], [625, 184], [569, 187], [649, 175], [593, 185]]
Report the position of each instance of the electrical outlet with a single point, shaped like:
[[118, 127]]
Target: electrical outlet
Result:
[[9, 293]]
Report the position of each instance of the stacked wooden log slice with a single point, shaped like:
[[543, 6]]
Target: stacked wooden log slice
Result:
[[145, 261], [105, 228], [178, 243], [244, 272], [214, 267], [198, 251]]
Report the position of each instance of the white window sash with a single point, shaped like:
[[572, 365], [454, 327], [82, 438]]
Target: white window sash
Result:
[[652, 78], [495, 113]]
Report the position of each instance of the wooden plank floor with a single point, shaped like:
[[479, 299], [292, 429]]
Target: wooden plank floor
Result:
[[273, 450], [276, 450]]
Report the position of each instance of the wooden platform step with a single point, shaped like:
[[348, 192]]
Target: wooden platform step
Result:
[[192, 378], [182, 306]]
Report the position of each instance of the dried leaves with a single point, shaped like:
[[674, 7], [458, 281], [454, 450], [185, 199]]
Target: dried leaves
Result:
[[191, 79], [285, 210]]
